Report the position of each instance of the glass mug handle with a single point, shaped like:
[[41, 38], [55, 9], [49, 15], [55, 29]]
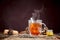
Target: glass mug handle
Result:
[[44, 28]]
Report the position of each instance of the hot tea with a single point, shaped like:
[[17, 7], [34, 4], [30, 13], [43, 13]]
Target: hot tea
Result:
[[35, 28]]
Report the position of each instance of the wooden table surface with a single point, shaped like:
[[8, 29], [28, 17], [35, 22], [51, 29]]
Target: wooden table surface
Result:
[[19, 37]]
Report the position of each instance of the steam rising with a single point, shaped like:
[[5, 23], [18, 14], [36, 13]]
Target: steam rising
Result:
[[37, 13]]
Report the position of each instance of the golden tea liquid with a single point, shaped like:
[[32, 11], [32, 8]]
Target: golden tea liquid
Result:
[[34, 28]]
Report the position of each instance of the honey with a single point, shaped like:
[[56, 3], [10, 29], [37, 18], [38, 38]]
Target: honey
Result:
[[49, 32]]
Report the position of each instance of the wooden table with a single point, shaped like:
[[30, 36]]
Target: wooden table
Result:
[[42, 37]]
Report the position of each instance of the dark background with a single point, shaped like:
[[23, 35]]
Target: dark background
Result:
[[15, 13]]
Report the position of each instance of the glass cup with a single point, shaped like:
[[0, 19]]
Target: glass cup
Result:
[[35, 27]]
